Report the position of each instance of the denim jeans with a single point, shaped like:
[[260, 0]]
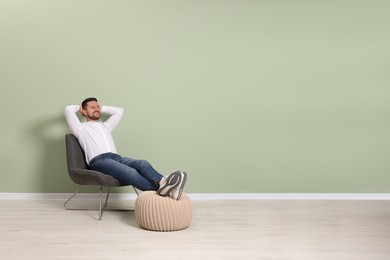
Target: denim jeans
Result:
[[138, 173]]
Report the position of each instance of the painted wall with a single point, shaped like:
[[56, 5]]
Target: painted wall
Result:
[[246, 96]]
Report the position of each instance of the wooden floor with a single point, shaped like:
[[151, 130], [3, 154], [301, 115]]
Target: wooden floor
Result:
[[221, 229]]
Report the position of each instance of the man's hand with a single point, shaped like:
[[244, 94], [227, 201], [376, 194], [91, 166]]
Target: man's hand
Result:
[[81, 111]]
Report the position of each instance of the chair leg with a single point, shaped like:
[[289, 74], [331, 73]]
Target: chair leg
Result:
[[101, 206], [101, 209], [74, 194], [135, 190]]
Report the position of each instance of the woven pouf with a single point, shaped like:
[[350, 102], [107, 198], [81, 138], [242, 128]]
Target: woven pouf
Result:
[[157, 213]]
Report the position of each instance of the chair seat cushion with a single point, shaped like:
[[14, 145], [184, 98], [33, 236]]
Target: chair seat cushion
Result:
[[157, 213]]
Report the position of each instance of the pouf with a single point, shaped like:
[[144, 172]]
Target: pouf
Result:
[[157, 213]]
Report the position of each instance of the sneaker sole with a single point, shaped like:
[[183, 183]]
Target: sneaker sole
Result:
[[182, 185], [168, 186]]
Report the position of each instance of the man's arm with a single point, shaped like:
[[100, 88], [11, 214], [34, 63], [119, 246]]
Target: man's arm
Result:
[[115, 115], [72, 119]]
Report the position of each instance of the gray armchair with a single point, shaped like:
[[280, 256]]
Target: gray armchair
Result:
[[80, 173]]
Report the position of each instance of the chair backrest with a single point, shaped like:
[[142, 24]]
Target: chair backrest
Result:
[[80, 172], [75, 156]]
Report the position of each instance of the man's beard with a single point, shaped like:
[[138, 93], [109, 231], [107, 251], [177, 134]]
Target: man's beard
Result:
[[93, 117]]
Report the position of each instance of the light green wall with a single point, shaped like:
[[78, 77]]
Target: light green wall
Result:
[[246, 96]]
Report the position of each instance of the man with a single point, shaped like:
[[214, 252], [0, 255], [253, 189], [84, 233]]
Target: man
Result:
[[101, 155]]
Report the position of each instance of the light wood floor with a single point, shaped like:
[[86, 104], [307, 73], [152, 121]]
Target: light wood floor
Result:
[[221, 229]]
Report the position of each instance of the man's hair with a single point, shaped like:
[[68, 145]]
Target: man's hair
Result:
[[85, 102]]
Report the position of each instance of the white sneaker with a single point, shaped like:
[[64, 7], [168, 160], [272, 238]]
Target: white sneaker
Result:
[[176, 191], [167, 184]]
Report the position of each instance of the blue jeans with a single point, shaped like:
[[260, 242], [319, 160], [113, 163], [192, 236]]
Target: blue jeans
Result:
[[138, 173]]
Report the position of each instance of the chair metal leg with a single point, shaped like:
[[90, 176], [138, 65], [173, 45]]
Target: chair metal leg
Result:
[[101, 209], [74, 194], [135, 190]]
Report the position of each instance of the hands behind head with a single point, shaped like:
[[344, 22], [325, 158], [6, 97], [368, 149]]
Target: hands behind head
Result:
[[81, 111]]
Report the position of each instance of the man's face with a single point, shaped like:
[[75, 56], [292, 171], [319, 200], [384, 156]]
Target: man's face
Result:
[[92, 112]]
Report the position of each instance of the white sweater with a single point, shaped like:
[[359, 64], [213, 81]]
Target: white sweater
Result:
[[94, 137]]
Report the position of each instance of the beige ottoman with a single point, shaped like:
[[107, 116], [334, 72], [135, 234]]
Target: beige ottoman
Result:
[[157, 213]]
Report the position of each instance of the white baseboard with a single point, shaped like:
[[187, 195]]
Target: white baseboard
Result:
[[205, 196]]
